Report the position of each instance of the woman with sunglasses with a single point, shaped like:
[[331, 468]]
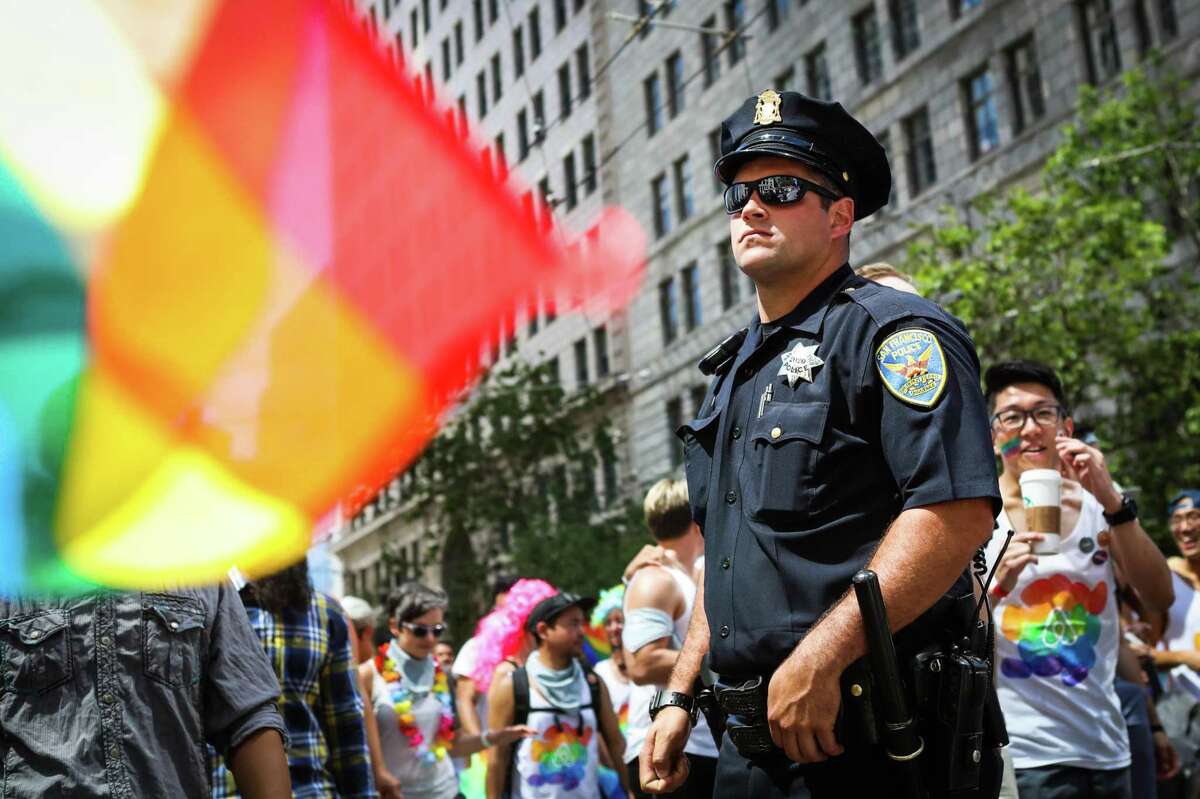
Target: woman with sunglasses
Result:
[[411, 696]]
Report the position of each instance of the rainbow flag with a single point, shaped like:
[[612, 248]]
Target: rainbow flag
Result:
[[245, 264]]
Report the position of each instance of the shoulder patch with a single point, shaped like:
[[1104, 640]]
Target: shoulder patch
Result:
[[913, 367]]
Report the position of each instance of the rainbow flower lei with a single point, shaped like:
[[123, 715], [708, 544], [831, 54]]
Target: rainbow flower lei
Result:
[[402, 703]]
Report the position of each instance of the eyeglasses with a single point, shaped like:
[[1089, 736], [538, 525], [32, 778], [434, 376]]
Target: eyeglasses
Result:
[[1180, 518], [1014, 418], [773, 190], [422, 630]]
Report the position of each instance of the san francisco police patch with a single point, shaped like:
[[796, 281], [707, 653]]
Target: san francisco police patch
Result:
[[913, 367]]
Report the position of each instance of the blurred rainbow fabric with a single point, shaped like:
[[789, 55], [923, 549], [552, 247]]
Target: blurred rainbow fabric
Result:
[[245, 266]]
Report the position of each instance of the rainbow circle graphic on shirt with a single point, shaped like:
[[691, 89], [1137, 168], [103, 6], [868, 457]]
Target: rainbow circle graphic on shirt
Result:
[[561, 755], [623, 713], [1056, 628]]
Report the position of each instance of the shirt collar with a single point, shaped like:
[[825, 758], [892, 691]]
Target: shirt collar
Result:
[[808, 316]]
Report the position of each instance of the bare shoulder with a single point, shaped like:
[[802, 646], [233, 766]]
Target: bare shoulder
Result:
[[652, 587]]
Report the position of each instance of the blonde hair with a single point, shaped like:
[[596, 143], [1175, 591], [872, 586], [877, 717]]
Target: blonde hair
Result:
[[668, 513], [882, 269]]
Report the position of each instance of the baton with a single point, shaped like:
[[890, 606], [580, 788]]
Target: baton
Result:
[[900, 738]]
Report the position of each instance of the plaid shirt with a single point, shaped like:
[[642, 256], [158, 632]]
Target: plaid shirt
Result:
[[327, 753]]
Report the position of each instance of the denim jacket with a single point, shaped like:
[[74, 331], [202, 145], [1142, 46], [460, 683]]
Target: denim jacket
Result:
[[114, 695]]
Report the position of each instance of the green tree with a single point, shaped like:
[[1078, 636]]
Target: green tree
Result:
[[516, 468], [1095, 274]]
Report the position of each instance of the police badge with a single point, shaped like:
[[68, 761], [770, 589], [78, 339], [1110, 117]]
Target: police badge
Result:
[[913, 367], [766, 110]]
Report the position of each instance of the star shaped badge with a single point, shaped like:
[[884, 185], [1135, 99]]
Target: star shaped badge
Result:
[[799, 364]]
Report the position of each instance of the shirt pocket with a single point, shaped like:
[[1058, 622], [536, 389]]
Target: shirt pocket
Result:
[[37, 652], [787, 444], [699, 441], [171, 630]]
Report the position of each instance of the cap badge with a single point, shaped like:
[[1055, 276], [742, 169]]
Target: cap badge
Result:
[[799, 364], [767, 109]]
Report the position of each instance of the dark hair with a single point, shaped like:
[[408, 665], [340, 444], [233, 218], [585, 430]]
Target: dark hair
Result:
[[413, 599], [288, 589], [502, 583], [383, 632], [1002, 375]]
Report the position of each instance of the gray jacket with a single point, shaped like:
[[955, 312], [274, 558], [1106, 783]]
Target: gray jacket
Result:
[[114, 695]]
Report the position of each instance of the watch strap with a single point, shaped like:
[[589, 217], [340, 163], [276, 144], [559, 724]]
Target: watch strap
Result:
[[1125, 514], [664, 699]]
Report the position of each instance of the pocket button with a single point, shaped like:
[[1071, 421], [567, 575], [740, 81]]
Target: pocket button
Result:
[[776, 432], [724, 631]]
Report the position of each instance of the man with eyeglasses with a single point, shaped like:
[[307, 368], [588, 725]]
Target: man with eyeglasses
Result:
[[845, 410], [1056, 614]]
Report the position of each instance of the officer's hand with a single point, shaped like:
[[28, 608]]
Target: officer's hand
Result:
[[1166, 759], [662, 765], [802, 706], [1017, 556]]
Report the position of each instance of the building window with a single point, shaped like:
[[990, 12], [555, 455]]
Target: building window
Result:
[[1168, 20], [518, 52], [784, 80], [906, 34], [481, 94], [816, 73], [735, 18], [668, 309], [1100, 39], [532, 317], [554, 370], [522, 135], [918, 138], [564, 90], [501, 157], [589, 164], [653, 96], [539, 117], [427, 22], [446, 64], [1024, 84], [866, 46], [675, 98], [493, 11], [535, 34], [583, 70], [982, 124], [960, 7], [708, 51], [497, 80], [560, 15], [477, 13], [674, 421], [600, 345], [662, 206], [728, 272], [414, 33], [544, 191], [609, 475], [692, 314], [714, 152], [581, 362], [777, 11], [645, 17], [569, 181], [685, 203], [458, 43]]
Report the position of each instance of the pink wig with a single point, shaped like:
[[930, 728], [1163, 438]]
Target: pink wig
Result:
[[501, 632]]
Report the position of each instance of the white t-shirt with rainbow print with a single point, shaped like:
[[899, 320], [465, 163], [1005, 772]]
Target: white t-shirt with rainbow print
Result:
[[1056, 652]]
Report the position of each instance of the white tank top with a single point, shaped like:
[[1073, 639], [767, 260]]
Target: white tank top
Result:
[[560, 761], [418, 779], [700, 743], [1183, 632]]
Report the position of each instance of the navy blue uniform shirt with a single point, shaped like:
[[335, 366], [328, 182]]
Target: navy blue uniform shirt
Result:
[[860, 403]]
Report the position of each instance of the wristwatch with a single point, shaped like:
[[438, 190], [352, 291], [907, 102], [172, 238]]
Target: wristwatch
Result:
[[674, 699], [1126, 513]]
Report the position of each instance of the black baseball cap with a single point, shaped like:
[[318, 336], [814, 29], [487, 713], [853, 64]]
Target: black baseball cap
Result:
[[549, 608], [818, 133]]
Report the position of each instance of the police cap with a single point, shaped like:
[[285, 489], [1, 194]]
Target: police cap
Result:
[[818, 133]]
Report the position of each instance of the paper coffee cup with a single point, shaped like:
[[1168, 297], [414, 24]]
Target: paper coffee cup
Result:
[[1041, 491]]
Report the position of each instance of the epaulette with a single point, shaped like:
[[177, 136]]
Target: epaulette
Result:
[[720, 357], [885, 306]]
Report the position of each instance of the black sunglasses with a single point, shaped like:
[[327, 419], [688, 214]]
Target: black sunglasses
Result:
[[774, 190], [422, 630]]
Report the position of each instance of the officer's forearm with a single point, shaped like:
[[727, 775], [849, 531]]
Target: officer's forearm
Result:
[[920, 557], [695, 647]]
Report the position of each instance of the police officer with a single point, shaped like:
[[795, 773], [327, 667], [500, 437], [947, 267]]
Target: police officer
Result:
[[845, 428]]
